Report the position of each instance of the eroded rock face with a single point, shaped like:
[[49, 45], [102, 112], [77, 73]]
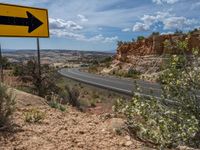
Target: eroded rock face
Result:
[[154, 45], [146, 56]]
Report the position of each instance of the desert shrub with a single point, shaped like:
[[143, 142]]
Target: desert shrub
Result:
[[156, 121], [132, 73], [57, 105], [152, 122], [155, 33], [95, 95], [41, 85], [56, 102], [93, 69], [34, 116], [139, 38], [7, 105], [178, 32], [119, 43], [18, 69], [72, 96], [5, 63]]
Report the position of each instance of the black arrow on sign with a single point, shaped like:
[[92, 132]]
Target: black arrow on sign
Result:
[[32, 22]]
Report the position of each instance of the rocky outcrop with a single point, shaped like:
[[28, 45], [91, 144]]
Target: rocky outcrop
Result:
[[146, 56], [154, 45]]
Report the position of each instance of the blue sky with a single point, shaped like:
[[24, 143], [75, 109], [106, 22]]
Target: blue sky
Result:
[[98, 24]]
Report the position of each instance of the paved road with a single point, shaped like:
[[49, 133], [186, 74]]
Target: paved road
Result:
[[115, 84]]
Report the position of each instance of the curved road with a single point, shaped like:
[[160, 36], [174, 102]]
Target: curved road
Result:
[[111, 83]]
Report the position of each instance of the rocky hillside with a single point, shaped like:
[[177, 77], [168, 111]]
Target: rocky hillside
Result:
[[71, 130], [154, 45], [145, 56]]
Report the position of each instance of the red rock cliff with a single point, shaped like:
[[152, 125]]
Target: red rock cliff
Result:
[[154, 45]]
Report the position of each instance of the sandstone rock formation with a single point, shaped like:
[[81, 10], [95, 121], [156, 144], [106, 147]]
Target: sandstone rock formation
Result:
[[146, 56], [154, 45]]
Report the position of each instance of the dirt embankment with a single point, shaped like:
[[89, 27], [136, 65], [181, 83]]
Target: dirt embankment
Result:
[[63, 130]]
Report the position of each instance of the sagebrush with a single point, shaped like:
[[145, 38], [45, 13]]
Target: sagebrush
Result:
[[7, 105], [153, 119]]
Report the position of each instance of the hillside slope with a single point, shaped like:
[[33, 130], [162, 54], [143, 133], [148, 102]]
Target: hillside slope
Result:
[[62, 130]]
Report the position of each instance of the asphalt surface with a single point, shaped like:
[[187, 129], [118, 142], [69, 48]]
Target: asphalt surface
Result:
[[112, 83]]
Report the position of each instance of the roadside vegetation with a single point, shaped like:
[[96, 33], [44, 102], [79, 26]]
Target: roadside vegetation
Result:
[[7, 105], [34, 116], [131, 73], [165, 124], [96, 66]]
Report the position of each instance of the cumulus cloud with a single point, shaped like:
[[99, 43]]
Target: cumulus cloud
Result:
[[66, 34], [168, 21], [100, 37], [68, 29], [166, 33], [126, 30], [165, 1], [62, 24], [178, 22], [82, 18], [140, 27], [82, 37]]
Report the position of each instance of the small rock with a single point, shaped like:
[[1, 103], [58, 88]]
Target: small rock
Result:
[[81, 145], [184, 148], [103, 130], [121, 143], [115, 124], [128, 143], [127, 137]]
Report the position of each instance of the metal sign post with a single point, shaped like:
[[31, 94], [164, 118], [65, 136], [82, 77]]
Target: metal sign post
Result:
[[39, 67], [1, 64], [38, 55]]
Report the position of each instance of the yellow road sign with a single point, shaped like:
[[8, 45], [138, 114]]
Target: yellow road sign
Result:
[[20, 21]]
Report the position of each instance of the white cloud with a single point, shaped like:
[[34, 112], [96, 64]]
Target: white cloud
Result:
[[101, 38], [68, 29], [66, 34], [140, 27], [81, 37], [82, 18], [126, 30], [165, 1], [62, 24], [178, 22], [168, 21], [166, 33]]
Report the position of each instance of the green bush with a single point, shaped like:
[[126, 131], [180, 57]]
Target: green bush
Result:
[[55, 102], [139, 38], [34, 116], [73, 95], [132, 73], [41, 85], [56, 105], [152, 122], [5, 63], [169, 125], [7, 105]]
